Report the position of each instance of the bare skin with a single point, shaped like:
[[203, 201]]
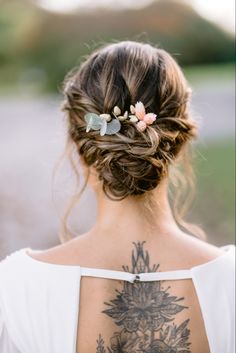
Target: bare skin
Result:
[[109, 245]]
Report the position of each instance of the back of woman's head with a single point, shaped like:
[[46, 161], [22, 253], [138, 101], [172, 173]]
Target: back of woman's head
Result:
[[130, 162]]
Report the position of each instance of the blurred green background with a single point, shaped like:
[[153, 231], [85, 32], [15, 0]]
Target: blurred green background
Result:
[[40, 41]]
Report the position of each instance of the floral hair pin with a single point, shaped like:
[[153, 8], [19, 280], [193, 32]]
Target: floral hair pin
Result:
[[109, 126]]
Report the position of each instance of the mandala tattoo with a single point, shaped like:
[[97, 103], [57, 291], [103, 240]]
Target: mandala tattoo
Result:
[[144, 312]]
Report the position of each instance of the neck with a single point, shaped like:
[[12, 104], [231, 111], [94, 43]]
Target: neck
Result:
[[128, 219]]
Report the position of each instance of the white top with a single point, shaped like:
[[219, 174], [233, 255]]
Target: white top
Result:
[[39, 302]]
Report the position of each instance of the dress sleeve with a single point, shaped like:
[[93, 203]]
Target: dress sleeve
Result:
[[6, 345]]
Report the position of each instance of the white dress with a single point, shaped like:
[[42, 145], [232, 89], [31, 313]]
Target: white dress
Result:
[[39, 302]]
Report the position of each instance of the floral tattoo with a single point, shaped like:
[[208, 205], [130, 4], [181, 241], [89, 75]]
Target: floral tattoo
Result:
[[144, 313]]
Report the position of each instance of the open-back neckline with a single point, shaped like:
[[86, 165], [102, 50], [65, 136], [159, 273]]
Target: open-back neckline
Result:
[[117, 274], [67, 278]]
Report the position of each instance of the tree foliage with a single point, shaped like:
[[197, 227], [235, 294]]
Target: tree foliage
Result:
[[31, 37]]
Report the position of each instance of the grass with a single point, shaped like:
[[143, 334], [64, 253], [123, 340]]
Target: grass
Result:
[[215, 73], [214, 206]]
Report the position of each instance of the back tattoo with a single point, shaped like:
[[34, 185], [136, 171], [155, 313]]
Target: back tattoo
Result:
[[144, 313]]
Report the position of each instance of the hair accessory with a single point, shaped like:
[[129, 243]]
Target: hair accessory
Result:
[[109, 126], [101, 122], [144, 119]]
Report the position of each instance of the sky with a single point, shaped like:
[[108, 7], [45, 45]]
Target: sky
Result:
[[223, 12]]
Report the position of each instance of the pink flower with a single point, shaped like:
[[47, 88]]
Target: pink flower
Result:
[[140, 110], [149, 118], [141, 125]]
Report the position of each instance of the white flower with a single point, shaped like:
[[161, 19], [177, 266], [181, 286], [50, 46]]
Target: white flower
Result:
[[107, 117], [117, 111], [132, 109]]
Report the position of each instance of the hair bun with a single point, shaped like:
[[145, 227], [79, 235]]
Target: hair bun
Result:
[[124, 174], [130, 162]]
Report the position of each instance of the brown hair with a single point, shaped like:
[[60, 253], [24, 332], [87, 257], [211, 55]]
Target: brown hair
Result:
[[131, 163]]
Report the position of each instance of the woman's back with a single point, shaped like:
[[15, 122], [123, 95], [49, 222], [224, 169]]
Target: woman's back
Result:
[[159, 316], [135, 283], [119, 313]]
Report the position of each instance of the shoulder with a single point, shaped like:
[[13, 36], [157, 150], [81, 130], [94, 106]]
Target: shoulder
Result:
[[196, 251], [28, 288], [12, 274], [13, 270], [24, 278], [19, 272], [10, 263], [214, 283], [69, 253], [219, 270]]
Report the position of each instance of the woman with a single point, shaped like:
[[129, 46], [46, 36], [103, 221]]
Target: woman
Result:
[[139, 281]]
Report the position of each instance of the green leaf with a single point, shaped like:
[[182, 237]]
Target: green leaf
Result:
[[113, 127], [93, 121], [103, 127]]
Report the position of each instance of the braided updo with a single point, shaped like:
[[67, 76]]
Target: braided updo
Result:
[[130, 162]]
